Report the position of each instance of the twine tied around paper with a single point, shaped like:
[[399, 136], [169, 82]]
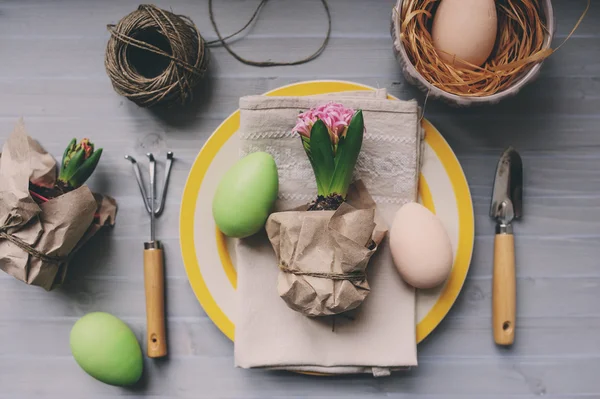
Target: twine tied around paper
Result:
[[352, 276], [14, 221], [155, 56]]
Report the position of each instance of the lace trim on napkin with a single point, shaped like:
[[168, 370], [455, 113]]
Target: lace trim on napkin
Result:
[[278, 134], [388, 174]]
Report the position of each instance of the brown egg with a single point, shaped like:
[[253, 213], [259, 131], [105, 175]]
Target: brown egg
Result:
[[420, 247], [465, 29]]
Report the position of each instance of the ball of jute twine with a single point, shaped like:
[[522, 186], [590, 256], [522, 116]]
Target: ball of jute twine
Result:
[[187, 57], [187, 54]]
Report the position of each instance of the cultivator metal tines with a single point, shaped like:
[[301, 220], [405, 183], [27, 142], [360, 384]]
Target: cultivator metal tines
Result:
[[154, 275]]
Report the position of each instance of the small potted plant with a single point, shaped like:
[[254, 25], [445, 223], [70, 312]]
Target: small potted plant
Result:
[[45, 218], [324, 248]]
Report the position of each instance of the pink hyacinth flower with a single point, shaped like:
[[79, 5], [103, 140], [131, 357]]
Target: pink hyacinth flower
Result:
[[335, 116]]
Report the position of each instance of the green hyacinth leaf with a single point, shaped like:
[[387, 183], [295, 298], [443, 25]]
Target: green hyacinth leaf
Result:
[[340, 145], [72, 166], [321, 156], [69, 148], [85, 170], [347, 155], [306, 144]]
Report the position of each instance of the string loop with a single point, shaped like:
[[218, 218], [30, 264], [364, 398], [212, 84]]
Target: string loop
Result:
[[223, 40], [176, 41]]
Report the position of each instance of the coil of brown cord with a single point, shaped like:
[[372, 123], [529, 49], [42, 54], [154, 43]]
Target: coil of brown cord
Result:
[[155, 57]]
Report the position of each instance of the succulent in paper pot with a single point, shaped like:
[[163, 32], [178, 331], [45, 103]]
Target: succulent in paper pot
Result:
[[332, 137]]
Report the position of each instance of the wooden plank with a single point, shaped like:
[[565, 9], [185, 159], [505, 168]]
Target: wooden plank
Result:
[[276, 19], [576, 216], [209, 378], [571, 139], [568, 297], [402, 395], [86, 55], [457, 338], [536, 257], [94, 98], [546, 257]]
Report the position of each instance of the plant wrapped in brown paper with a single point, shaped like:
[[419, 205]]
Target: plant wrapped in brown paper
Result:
[[38, 236], [323, 248]]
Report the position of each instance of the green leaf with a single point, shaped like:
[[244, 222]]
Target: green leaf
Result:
[[85, 170], [347, 154], [306, 144], [321, 156], [67, 172], [339, 145], [69, 148]]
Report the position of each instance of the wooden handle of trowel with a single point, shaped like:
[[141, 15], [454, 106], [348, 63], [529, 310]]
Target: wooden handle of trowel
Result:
[[504, 293], [154, 282]]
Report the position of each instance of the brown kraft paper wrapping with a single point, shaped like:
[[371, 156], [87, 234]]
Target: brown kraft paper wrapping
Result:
[[323, 255], [55, 228]]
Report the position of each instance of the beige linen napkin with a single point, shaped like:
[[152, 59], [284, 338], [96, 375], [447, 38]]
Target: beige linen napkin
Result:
[[377, 337]]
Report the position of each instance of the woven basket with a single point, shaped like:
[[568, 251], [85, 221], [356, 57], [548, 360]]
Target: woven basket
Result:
[[415, 78]]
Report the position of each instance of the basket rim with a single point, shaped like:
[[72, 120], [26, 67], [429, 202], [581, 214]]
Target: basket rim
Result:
[[437, 92]]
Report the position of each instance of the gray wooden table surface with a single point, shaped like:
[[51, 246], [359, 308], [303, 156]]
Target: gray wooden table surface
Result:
[[52, 74]]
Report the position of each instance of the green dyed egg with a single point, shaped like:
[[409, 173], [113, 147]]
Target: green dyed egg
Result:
[[245, 195], [106, 349]]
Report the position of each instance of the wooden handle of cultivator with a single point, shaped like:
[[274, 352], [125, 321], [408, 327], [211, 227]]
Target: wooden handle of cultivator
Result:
[[154, 282], [504, 290]]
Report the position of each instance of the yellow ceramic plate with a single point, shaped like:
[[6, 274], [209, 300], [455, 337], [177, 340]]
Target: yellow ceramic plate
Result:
[[210, 263]]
